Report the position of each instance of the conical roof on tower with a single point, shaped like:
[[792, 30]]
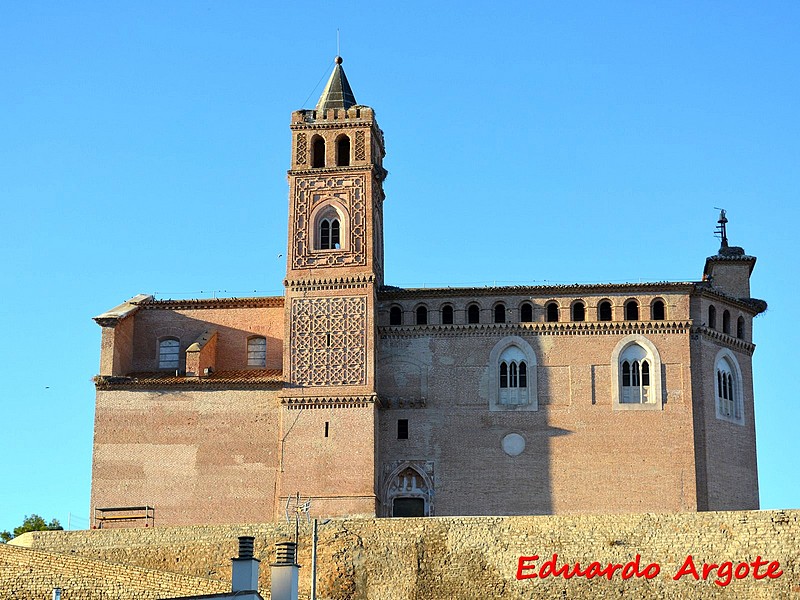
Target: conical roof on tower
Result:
[[337, 92]]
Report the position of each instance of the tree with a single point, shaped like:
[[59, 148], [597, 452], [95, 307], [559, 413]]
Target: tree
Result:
[[32, 523]]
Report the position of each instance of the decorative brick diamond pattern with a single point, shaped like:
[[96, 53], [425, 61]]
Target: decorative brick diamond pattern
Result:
[[360, 151], [310, 193], [329, 341], [302, 149]]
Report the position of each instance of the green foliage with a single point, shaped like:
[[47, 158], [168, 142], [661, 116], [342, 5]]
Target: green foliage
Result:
[[32, 523]]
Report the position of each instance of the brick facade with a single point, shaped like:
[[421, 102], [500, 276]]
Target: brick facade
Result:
[[375, 400]]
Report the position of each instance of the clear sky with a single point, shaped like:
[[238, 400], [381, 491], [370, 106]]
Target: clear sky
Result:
[[144, 148]]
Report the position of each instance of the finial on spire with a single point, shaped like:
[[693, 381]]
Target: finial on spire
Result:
[[337, 92], [721, 229]]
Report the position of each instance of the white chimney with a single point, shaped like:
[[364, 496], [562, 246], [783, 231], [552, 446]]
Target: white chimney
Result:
[[285, 572], [245, 567]]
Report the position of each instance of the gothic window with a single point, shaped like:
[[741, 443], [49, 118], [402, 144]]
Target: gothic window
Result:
[[635, 384], [329, 228], [395, 316], [740, 328], [169, 353], [551, 312], [500, 313], [657, 311], [513, 377], [604, 311], [712, 317], [526, 312], [728, 388], [473, 314], [726, 322], [579, 311], [317, 152], [343, 151], [447, 315], [636, 368], [329, 233], [422, 315], [257, 352], [631, 310]]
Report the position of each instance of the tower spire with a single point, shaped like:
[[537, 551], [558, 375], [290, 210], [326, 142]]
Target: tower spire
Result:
[[337, 92]]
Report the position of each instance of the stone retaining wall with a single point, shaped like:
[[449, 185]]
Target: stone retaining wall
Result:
[[31, 575], [477, 557]]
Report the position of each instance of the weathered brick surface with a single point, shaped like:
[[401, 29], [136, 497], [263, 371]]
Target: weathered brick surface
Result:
[[327, 425], [469, 558], [196, 455]]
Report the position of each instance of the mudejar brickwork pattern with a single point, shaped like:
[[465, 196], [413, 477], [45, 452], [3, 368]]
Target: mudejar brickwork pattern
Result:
[[381, 401]]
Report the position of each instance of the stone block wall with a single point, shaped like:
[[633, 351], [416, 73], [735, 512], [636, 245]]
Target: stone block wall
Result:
[[27, 574], [472, 558]]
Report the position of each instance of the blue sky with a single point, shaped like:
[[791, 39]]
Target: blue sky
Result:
[[143, 149]]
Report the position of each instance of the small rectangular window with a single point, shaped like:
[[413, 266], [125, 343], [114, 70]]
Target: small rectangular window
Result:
[[326, 428], [402, 429]]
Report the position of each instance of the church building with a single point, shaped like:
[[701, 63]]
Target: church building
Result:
[[375, 400]]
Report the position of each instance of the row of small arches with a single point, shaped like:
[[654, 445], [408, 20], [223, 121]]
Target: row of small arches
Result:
[[318, 151], [552, 312], [726, 322]]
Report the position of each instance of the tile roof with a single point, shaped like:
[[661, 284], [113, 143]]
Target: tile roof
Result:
[[244, 378]]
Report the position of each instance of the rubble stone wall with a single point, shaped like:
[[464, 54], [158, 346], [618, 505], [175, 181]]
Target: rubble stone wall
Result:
[[479, 557]]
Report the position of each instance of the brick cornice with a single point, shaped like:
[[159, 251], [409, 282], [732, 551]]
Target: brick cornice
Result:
[[336, 401], [389, 293], [493, 329], [205, 303], [724, 339]]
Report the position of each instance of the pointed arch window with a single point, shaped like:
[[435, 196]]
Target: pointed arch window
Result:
[[447, 315], [329, 226], [728, 388], [740, 328], [635, 367], [726, 322], [169, 353], [513, 377], [526, 312], [604, 311], [712, 317], [317, 152], [343, 151], [329, 234], [409, 492]]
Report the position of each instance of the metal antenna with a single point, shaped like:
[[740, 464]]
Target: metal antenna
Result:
[[299, 508], [722, 231], [338, 53]]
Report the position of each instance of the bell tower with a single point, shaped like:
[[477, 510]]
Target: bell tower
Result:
[[334, 269]]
